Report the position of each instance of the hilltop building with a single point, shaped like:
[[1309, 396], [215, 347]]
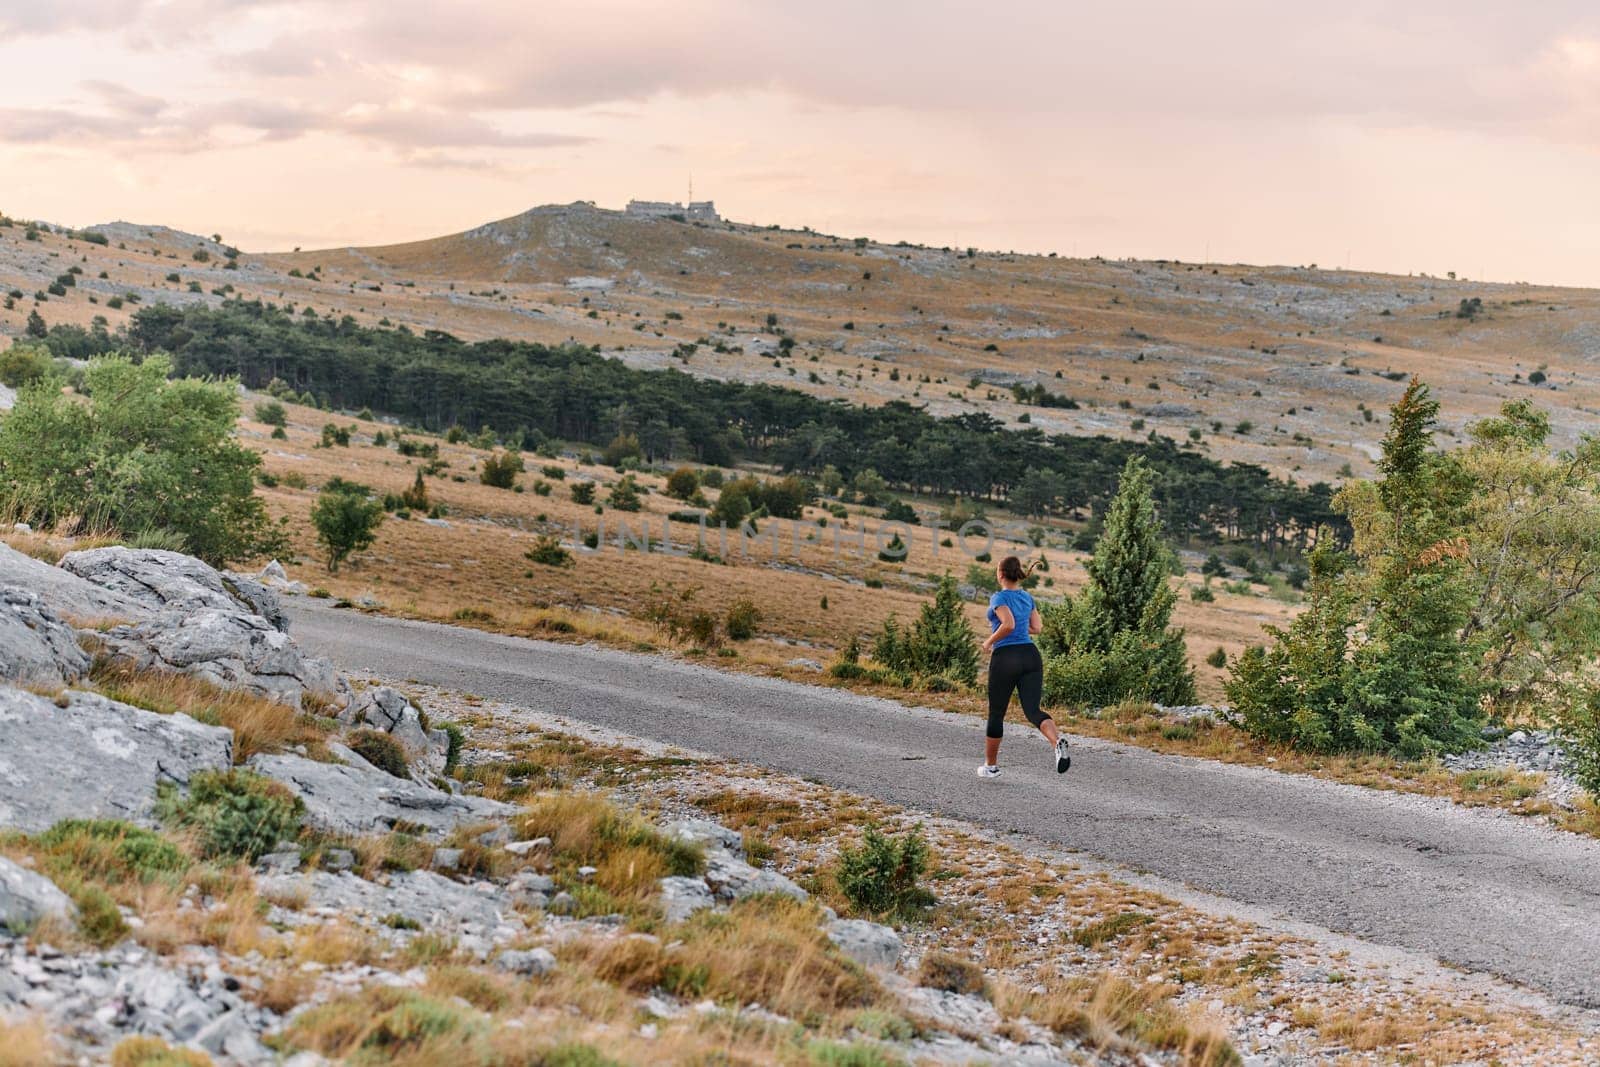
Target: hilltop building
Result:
[[701, 210]]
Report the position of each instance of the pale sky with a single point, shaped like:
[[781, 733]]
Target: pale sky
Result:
[[1432, 137]]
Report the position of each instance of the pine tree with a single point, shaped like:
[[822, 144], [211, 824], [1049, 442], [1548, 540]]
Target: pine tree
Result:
[[36, 326], [1378, 661], [941, 643], [416, 498], [1114, 642]]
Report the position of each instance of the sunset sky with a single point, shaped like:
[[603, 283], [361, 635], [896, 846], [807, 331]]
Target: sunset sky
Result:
[[1419, 137]]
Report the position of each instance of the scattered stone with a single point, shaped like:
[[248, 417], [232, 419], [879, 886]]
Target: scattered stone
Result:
[[35, 644], [530, 963], [563, 903], [356, 798], [586, 874], [446, 859], [731, 878], [430, 900], [868, 943], [500, 835], [387, 709], [84, 756], [27, 898]]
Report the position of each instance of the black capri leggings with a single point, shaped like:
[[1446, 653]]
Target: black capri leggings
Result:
[[1019, 668]]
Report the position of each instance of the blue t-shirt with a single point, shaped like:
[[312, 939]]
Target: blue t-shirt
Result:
[[1021, 605]]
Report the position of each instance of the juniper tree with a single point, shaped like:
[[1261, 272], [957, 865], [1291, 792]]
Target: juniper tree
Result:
[[1114, 642]]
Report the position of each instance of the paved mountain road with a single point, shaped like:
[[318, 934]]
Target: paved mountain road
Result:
[[1476, 889]]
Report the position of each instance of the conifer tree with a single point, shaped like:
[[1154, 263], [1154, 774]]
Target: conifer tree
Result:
[[1114, 642]]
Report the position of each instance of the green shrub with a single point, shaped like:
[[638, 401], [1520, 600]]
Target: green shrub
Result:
[[683, 483], [272, 413], [1580, 734], [939, 644], [582, 493], [1218, 658], [881, 876], [113, 851], [625, 494], [549, 551], [238, 815], [500, 470], [22, 365], [380, 750], [742, 619]]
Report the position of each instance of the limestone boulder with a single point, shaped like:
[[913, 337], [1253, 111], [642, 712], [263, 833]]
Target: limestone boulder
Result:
[[387, 709], [171, 581], [36, 646], [231, 649], [66, 593], [353, 797], [85, 756], [28, 897]]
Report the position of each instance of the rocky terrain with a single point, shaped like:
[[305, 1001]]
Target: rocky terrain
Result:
[[216, 848], [389, 871]]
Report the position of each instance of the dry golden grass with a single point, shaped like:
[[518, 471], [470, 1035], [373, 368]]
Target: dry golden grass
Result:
[[145, 1051], [258, 723], [27, 1044], [770, 950], [1112, 1013]]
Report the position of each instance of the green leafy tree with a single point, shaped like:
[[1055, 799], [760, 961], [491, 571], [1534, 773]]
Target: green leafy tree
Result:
[[1114, 642], [346, 520], [36, 325], [24, 365], [138, 453], [272, 413]]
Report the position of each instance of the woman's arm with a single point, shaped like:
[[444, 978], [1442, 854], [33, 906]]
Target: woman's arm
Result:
[[1007, 624], [1035, 622]]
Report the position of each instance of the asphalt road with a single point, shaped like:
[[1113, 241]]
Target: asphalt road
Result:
[[1476, 889]]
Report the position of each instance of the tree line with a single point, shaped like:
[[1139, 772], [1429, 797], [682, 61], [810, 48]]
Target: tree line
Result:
[[529, 392]]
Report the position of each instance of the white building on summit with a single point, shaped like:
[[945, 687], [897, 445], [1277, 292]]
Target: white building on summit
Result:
[[703, 210]]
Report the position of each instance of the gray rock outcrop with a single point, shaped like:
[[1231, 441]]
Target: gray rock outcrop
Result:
[[430, 900], [36, 646], [389, 710], [84, 756], [28, 897], [171, 581], [868, 943], [356, 798], [66, 593], [229, 649], [681, 897]]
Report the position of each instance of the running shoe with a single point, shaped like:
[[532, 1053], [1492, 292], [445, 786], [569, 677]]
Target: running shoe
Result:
[[988, 770], [1063, 760]]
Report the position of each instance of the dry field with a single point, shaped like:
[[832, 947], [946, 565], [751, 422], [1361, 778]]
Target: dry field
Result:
[[471, 566], [1299, 353]]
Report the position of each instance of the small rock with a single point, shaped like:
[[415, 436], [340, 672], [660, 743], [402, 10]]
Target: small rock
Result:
[[446, 859], [500, 835], [562, 903], [338, 859], [27, 897], [586, 874], [530, 963], [681, 897], [286, 862], [868, 943], [522, 848]]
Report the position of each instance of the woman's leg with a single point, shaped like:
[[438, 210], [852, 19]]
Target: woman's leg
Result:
[[1002, 680], [1030, 691]]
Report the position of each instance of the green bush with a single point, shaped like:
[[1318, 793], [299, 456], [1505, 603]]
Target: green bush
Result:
[[272, 413], [1580, 734], [742, 619], [939, 645], [625, 494], [500, 470], [582, 493], [380, 750], [22, 365], [237, 814], [144, 452], [683, 483], [1218, 657], [882, 876], [549, 551]]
